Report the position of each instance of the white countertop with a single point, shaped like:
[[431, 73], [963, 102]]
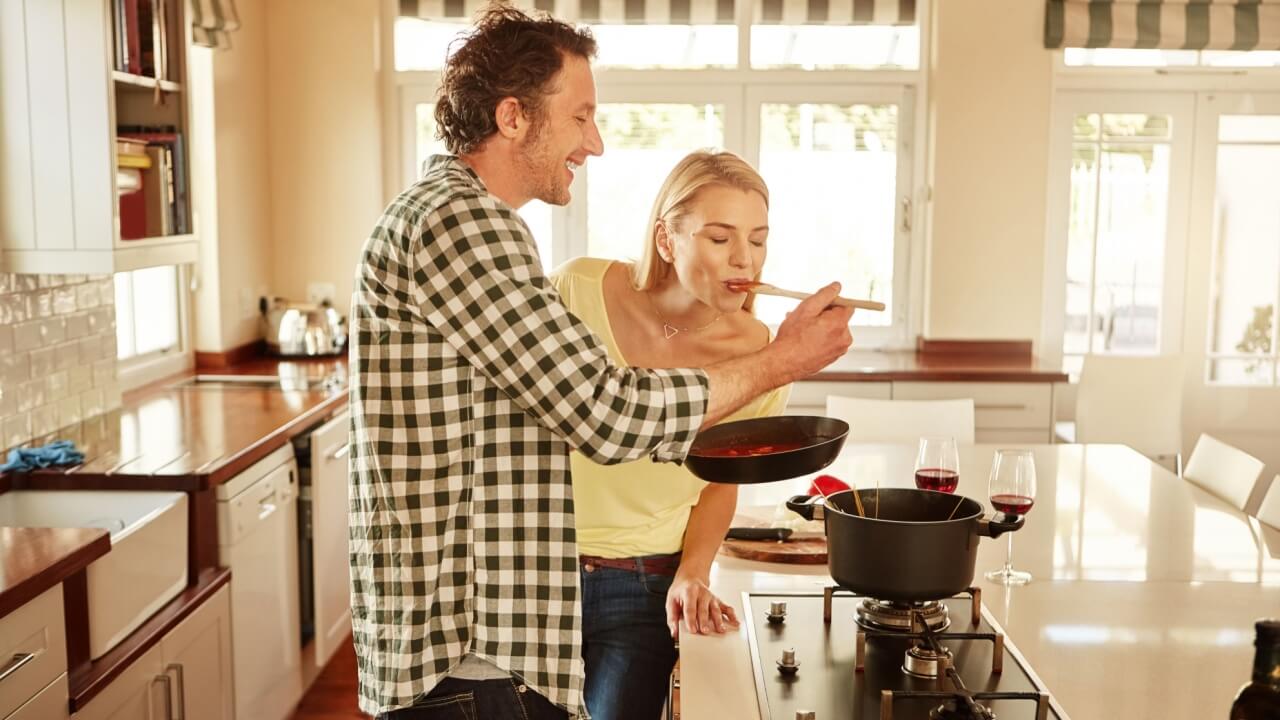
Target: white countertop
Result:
[[1143, 602]]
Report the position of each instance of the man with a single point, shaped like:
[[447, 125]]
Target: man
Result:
[[472, 383]]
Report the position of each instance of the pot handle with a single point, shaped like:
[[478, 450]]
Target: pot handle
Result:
[[995, 528], [809, 507]]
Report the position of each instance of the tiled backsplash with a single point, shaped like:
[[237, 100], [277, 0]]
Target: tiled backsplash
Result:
[[57, 353]]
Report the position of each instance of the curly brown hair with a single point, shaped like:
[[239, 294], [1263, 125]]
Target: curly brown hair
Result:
[[509, 53]]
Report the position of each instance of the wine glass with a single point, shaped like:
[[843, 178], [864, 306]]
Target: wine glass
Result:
[[938, 464], [1012, 490]]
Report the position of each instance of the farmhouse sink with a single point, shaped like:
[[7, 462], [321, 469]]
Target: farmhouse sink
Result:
[[147, 564]]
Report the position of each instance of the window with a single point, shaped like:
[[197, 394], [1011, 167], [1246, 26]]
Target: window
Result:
[[1246, 275], [147, 313], [643, 142], [1121, 225], [823, 106]]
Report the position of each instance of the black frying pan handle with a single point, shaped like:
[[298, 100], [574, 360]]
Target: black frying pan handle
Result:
[[809, 507], [995, 528]]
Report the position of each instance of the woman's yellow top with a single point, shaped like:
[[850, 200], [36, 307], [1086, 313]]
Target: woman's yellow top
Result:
[[641, 507]]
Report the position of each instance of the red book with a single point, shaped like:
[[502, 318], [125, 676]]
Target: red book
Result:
[[133, 36], [133, 215]]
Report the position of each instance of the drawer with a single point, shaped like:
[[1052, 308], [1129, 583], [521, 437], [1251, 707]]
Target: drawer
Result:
[[33, 649], [996, 405], [50, 704], [814, 393]]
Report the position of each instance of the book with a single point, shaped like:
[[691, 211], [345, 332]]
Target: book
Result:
[[157, 187], [132, 160]]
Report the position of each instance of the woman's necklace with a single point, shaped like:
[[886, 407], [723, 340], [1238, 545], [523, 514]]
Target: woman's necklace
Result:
[[670, 330]]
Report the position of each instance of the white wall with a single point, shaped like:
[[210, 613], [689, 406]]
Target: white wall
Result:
[[325, 141], [991, 85]]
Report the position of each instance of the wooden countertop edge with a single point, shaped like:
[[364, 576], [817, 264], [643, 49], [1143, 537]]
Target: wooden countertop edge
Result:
[[268, 444], [87, 681], [73, 562], [940, 375]]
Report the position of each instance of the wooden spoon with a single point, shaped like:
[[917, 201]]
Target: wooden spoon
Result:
[[760, 288]]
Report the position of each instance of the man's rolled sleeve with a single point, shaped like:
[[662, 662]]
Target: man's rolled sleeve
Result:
[[687, 393]]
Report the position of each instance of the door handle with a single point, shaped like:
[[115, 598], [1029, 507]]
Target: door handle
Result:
[[182, 689], [163, 679], [15, 662], [337, 451]]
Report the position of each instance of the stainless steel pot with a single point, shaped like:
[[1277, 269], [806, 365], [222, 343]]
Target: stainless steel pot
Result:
[[302, 329]]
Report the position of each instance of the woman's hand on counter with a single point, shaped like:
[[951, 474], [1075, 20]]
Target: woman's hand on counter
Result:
[[690, 602]]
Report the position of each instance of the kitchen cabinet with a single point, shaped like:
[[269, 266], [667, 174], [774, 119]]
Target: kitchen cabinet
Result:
[[48, 704], [34, 647], [62, 100], [187, 675], [1013, 412], [330, 575]]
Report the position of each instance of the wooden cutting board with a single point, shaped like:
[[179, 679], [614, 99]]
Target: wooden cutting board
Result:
[[806, 551], [802, 551]]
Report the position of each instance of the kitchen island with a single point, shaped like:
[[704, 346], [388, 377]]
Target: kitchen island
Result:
[[1143, 600]]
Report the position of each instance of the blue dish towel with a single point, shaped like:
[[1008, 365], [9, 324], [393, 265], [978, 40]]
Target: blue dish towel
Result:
[[58, 452]]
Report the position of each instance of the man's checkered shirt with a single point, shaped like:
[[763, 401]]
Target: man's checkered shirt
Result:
[[470, 384]]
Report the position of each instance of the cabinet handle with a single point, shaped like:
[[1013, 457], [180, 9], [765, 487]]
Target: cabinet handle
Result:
[[1010, 406], [15, 662], [168, 692], [182, 689], [337, 451]]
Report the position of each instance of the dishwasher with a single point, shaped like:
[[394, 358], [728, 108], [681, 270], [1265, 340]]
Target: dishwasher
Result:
[[257, 539]]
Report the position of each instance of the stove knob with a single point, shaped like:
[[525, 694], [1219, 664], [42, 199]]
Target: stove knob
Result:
[[806, 715], [788, 665], [777, 613]]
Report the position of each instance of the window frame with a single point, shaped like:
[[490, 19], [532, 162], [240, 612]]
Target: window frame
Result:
[[139, 370], [732, 88]]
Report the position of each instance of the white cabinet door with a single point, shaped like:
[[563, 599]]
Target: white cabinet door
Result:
[[48, 704], [192, 663], [137, 693], [329, 555], [197, 658]]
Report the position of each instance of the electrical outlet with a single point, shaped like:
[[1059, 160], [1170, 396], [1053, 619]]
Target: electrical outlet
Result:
[[319, 292]]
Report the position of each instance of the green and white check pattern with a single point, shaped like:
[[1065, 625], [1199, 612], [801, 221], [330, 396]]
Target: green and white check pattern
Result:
[[471, 382]]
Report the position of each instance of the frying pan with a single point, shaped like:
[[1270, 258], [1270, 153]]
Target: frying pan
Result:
[[816, 441]]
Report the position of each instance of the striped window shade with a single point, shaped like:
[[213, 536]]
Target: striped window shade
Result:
[[1163, 24], [685, 12], [212, 22]]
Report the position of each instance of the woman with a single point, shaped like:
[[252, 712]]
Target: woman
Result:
[[648, 532]]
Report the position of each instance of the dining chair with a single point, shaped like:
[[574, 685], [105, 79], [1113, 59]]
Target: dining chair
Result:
[[1226, 471], [1132, 400], [873, 421], [1269, 511]]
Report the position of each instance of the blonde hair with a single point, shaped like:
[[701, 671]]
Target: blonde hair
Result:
[[697, 170]]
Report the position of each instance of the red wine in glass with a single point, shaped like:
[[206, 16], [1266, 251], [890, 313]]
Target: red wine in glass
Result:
[[937, 479], [1010, 504]]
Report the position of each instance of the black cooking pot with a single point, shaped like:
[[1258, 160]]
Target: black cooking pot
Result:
[[802, 444], [914, 546]]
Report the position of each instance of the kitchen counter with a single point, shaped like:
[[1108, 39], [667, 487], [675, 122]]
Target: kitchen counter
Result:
[[179, 435], [913, 365], [33, 560], [1143, 600]]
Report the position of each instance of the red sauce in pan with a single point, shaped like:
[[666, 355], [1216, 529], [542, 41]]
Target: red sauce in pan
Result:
[[749, 450]]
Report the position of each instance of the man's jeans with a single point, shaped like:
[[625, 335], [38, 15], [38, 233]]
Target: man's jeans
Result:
[[627, 647], [456, 699]]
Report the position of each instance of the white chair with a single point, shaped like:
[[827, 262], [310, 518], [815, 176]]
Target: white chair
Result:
[[1136, 401], [1226, 471], [872, 421], [1269, 512]]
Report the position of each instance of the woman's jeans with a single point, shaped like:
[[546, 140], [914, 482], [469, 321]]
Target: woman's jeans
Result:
[[458, 699], [627, 647]]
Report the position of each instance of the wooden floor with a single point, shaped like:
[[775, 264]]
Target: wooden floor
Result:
[[333, 695]]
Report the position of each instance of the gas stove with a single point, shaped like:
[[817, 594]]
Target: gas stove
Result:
[[833, 654]]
